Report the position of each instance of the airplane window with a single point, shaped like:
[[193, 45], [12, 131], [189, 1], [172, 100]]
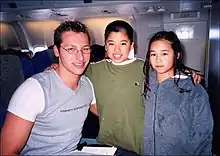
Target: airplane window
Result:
[[214, 33], [39, 48], [185, 32], [25, 50]]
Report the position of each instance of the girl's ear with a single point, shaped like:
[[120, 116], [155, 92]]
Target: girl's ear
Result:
[[56, 51]]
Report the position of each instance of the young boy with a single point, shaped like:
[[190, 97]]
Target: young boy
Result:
[[117, 86]]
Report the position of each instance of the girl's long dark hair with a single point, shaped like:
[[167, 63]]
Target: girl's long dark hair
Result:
[[179, 67]]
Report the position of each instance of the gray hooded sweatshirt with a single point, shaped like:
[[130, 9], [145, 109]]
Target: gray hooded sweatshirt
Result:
[[177, 123]]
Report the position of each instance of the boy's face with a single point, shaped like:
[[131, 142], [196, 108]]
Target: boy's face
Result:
[[118, 46], [74, 52]]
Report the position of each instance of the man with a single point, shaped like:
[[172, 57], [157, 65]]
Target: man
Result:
[[47, 112]]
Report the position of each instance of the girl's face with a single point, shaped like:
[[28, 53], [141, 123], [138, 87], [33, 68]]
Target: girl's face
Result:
[[118, 46], [162, 58]]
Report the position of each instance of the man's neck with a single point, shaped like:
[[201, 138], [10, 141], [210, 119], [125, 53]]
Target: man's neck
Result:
[[69, 79]]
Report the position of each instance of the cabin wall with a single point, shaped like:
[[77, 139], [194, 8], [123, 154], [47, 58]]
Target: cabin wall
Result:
[[8, 35], [97, 27], [39, 33], [146, 25], [214, 72], [194, 55]]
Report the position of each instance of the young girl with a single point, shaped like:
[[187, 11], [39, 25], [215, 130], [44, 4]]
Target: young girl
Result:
[[178, 118]]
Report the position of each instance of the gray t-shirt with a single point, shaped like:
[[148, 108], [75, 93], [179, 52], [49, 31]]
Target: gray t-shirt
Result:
[[57, 129]]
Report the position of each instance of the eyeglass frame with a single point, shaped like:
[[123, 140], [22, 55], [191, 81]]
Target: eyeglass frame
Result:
[[75, 50]]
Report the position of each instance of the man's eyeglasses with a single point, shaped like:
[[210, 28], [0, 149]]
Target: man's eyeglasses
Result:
[[74, 50]]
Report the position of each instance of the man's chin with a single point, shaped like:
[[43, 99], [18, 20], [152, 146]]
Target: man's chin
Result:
[[79, 72]]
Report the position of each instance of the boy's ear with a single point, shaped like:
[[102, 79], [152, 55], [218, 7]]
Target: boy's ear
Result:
[[56, 51], [132, 45]]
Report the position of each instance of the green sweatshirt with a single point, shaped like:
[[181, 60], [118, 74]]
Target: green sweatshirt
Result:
[[119, 103]]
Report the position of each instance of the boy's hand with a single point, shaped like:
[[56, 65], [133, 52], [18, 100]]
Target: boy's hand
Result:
[[53, 66], [196, 77]]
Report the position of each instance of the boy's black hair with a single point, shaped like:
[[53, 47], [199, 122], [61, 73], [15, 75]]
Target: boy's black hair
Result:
[[117, 26]]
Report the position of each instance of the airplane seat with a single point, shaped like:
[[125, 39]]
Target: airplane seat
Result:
[[91, 126], [11, 74], [26, 63], [97, 53], [43, 59], [52, 57], [3, 111]]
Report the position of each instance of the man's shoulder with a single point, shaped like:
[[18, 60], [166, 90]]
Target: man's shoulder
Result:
[[42, 74], [29, 88], [29, 83], [84, 78]]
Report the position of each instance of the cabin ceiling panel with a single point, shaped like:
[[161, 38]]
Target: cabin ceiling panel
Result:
[[62, 10]]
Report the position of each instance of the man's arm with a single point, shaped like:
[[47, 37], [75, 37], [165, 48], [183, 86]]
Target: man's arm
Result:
[[14, 134], [26, 103], [93, 109]]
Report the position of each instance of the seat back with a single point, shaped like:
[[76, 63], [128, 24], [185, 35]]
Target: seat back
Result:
[[11, 76], [40, 61]]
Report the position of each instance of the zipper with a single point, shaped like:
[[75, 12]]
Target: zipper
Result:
[[154, 126]]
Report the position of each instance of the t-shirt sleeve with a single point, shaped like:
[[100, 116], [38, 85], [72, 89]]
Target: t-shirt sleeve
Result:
[[93, 93], [28, 100], [89, 74]]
